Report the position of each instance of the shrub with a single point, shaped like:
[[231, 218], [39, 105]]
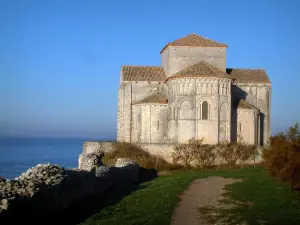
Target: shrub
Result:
[[143, 158], [231, 153], [282, 157], [183, 154], [196, 151], [204, 154]]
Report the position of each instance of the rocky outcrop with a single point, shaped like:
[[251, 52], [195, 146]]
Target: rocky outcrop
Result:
[[50, 188], [90, 161], [2, 179], [92, 152]]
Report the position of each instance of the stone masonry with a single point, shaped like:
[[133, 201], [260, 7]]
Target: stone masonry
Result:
[[193, 95]]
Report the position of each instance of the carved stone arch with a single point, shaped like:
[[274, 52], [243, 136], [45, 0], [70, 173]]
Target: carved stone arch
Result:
[[185, 110], [186, 87], [209, 88], [191, 87], [181, 88], [204, 88], [211, 107]]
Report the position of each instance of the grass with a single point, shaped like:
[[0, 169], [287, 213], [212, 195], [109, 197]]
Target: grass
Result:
[[259, 199]]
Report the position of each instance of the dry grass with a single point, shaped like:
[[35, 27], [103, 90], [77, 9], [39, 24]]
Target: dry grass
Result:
[[143, 158]]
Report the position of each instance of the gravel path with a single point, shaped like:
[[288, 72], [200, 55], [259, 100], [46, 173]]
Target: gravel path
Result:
[[201, 193]]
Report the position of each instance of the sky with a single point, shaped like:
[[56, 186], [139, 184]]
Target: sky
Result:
[[60, 60]]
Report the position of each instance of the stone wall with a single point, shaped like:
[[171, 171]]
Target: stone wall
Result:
[[149, 124], [186, 97], [128, 94], [49, 188], [259, 95], [177, 58]]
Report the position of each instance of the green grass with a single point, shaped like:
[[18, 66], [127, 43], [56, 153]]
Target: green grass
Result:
[[154, 201], [258, 199]]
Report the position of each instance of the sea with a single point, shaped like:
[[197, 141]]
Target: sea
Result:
[[19, 154]]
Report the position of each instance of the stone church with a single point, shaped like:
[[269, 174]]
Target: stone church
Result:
[[193, 95]]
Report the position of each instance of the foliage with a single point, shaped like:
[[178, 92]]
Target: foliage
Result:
[[231, 153], [282, 157], [184, 154], [205, 156], [143, 158]]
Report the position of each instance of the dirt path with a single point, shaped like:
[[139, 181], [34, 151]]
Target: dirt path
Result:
[[201, 193]]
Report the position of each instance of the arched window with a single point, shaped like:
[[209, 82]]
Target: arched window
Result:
[[205, 110]]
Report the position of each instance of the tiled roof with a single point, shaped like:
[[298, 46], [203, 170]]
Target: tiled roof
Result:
[[248, 75], [243, 104], [201, 69], [155, 98], [143, 73], [194, 40]]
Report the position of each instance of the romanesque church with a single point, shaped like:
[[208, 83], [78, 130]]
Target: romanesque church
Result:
[[192, 94]]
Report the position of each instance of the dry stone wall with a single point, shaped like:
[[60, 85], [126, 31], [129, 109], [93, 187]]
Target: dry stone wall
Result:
[[48, 188]]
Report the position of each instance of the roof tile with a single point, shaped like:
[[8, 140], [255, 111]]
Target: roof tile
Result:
[[248, 75], [194, 40], [201, 69], [243, 104], [143, 73], [155, 98]]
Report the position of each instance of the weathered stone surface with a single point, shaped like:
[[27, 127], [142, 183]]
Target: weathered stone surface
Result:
[[2, 179], [123, 162], [103, 171], [200, 101], [90, 161], [48, 188]]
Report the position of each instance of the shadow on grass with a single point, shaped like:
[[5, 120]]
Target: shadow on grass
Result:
[[228, 212], [81, 210]]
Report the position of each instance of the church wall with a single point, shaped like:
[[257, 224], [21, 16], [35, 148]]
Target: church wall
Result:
[[124, 113], [259, 95], [165, 59], [177, 58], [246, 125], [142, 89], [153, 123], [120, 125], [136, 123], [185, 98]]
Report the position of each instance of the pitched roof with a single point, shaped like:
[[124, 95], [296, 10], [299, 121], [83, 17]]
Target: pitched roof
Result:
[[143, 73], [155, 98], [243, 104], [248, 75], [194, 40], [201, 69]]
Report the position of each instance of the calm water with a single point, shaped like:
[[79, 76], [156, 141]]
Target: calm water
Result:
[[18, 155]]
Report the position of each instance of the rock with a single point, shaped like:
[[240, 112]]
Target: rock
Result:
[[103, 171], [91, 161], [128, 169], [4, 204], [122, 162], [2, 179]]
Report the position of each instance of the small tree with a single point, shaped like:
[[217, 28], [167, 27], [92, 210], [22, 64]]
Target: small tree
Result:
[[229, 152], [184, 154], [205, 156], [282, 157]]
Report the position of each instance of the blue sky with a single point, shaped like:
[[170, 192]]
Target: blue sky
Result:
[[60, 61]]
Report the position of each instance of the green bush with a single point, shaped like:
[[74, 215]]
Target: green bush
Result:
[[282, 157], [143, 158], [194, 151]]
